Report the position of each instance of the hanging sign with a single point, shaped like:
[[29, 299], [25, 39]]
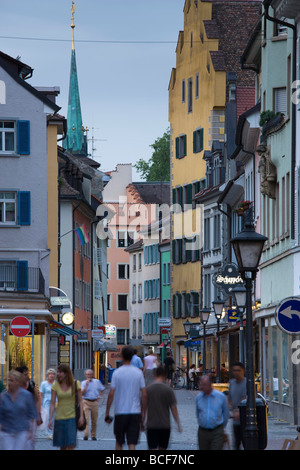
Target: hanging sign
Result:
[[227, 278]]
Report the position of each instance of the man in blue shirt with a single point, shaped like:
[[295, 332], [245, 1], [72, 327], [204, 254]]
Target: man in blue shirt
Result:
[[212, 415], [136, 360]]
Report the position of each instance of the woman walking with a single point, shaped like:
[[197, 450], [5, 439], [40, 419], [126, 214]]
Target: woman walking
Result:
[[45, 391], [64, 435], [17, 414]]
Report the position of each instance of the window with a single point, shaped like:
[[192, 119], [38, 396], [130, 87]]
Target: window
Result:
[[197, 87], [134, 263], [122, 336], [183, 91], [140, 299], [125, 239], [190, 95], [181, 146], [140, 261], [14, 137], [198, 140], [123, 271], [280, 100], [134, 293], [122, 302], [15, 208], [109, 302], [7, 208], [7, 137]]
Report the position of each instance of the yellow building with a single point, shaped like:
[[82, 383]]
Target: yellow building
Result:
[[209, 47]]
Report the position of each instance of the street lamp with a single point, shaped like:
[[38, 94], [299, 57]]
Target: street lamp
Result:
[[239, 294], [204, 316], [248, 246], [187, 328], [218, 306]]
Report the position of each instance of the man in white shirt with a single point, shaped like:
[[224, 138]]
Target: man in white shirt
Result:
[[129, 393], [92, 391]]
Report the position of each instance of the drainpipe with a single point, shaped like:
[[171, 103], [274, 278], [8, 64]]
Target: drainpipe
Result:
[[294, 77]]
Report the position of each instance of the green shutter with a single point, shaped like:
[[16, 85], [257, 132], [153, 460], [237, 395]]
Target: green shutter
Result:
[[177, 146], [189, 194], [201, 139], [184, 145], [194, 141]]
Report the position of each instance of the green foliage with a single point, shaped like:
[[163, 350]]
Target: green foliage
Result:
[[267, 116], [157, 168]]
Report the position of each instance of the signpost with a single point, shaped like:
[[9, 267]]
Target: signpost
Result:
[[233, 315], [20, 326], [287, 315]]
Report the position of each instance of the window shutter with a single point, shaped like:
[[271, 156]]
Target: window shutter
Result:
[[22, 275], [174, 251], [194, 141], [201, 139], [189, 194], [184, 145], [23, 137], [196, 304], [177, 146], [24, 212]]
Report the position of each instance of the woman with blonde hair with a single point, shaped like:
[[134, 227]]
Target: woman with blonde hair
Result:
[[63, 390], [45, 391], [18, 414]]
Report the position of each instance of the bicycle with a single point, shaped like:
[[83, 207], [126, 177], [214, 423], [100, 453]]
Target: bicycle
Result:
[[178, 381]]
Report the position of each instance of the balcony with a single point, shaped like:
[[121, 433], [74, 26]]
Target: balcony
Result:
[[20, 278]]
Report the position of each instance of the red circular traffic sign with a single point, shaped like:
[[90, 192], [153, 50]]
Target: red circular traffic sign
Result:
[[20, 326]]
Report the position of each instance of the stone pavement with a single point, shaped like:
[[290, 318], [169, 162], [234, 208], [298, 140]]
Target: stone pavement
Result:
[[278, 431]]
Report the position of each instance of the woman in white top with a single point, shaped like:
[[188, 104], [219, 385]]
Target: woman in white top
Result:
[[150, 363]]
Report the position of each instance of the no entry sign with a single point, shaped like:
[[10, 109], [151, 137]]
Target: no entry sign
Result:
[[20, 326]]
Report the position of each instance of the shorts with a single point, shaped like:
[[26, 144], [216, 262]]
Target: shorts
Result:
[[158, 438], [127, 425]]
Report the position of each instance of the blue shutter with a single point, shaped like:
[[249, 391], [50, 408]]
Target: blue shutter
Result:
[[23, 137], [24, 212], [22, 275]]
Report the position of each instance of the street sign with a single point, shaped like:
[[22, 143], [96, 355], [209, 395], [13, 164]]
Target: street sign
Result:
[[20, 326], [287, 315], [233, 315], [164, 321], [97, 334]]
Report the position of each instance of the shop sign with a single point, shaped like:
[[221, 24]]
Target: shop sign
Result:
[[227, 278], [110, 331]]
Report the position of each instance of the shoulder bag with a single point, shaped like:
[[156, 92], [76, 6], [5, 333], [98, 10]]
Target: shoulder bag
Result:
[[77, 411]]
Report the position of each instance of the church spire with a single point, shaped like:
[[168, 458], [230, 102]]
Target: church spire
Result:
[[75, 141]]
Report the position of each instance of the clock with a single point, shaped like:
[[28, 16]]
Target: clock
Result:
[[67, 318]]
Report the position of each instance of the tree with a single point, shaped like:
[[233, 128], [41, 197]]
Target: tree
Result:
[[158, 166]]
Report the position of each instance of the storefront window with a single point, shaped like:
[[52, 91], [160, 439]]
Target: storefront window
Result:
[[275, 363], [285, 369], [16, 352]]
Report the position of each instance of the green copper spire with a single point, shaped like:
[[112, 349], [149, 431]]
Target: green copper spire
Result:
[[75, 141]]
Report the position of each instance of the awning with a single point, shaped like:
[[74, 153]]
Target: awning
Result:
[[62, 329], [163, 346], [103, 345], [189, 343]]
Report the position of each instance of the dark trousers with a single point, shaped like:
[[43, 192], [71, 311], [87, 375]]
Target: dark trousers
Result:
[[211, 439], [237, 436]]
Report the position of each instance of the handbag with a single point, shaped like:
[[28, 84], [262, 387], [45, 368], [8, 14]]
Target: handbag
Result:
[[77, 411]]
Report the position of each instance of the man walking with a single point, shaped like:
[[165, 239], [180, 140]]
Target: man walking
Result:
[[160, 401], [92, 391], [212, 415], [129, 393], [237, 392]]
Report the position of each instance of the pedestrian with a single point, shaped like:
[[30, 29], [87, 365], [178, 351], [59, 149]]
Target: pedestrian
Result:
[[63, 390], [17, 414], [128, 391], [169, 365], [212, 415], [150, 363], [160, 401], [136, 360], [92, 391], [237, 392], [192, 376], [45, 391], [30, 386]]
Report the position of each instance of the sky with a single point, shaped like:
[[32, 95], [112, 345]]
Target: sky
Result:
[[125, 51]]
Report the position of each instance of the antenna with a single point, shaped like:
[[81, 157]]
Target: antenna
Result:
[[93, 140]]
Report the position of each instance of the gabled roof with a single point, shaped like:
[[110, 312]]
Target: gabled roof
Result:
[[14, 68]]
